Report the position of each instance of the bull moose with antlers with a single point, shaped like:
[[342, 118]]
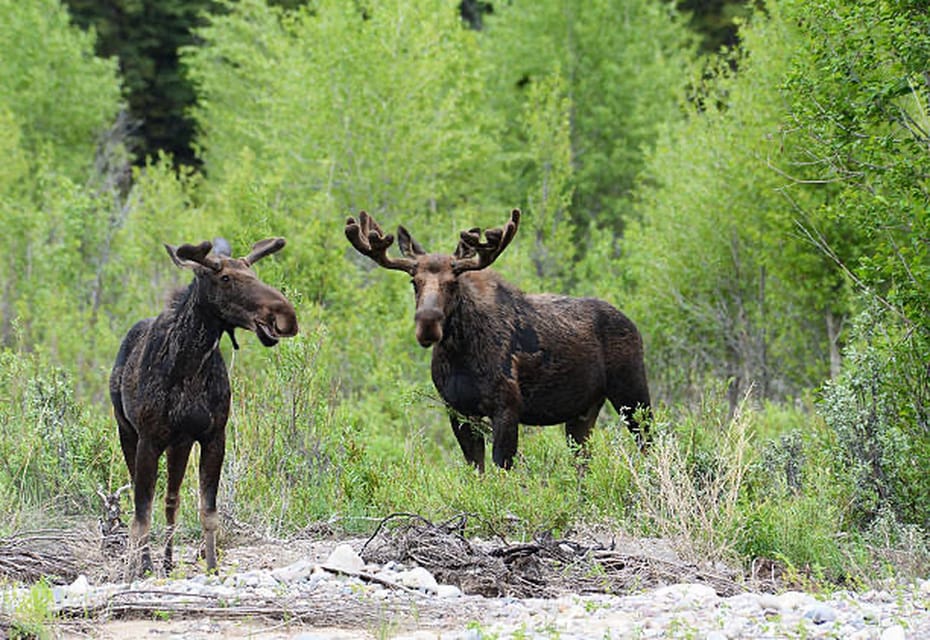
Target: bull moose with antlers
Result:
[[169, 385], [537, 359]]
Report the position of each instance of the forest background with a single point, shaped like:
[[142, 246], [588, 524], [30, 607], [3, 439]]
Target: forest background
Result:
[[749, 183]]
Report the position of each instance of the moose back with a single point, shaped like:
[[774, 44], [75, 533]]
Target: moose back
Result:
[[515, 358]]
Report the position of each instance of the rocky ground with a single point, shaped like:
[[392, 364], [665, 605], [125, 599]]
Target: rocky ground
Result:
[[420, 581]]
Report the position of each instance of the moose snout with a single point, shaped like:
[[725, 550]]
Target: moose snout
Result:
[[283, 318], [277, 320], [429, 326]]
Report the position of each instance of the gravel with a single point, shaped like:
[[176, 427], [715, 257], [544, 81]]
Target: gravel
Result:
[[339, 596]]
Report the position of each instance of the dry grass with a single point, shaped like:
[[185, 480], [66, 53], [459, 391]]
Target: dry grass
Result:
[[698, 513]]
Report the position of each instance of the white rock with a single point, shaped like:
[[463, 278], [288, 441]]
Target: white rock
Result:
[[79, 587], [895, 632], [344, 558], [769, 602], [820, 613], [924, 587], [746, 602], [448, 591], [688, 594], [795, 600], [418, 578], [299, 570]]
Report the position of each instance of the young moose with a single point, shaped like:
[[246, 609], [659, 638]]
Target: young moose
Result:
[[516, 358], [169, 385]]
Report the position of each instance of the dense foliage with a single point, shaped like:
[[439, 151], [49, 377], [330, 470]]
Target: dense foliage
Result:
[[762, 216]]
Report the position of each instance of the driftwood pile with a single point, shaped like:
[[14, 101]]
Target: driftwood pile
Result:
[[58, 555], [544, 568]]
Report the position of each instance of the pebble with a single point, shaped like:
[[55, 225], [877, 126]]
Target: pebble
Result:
[[687, 610]]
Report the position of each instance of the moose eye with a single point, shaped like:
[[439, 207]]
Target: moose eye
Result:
[[225, 277]]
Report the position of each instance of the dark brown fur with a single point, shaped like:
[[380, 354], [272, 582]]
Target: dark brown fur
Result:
[[169, 385], [534, 359]]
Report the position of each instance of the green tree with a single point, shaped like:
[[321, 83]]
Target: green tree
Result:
[[623, 85], [860, 115], [381, 109], [724, 281], [57, 103], [62, 96], [146, 35]]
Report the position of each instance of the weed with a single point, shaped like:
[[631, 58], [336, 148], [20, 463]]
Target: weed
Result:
[[34, 614]]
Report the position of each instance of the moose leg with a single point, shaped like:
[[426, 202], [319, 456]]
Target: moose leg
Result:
[[579, 428], [628, 393], [128, 439], [146, 468], [471, 441], [211, 463], [505, 434], [177, 464]]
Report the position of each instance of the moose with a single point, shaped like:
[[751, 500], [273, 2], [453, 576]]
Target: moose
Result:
[[170, 388], [536, 359]]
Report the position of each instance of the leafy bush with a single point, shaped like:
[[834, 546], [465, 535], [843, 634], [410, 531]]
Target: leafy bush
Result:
[[54, 452], [878, 412]]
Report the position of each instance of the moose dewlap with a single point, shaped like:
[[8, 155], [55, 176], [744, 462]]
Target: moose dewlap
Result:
[[537, 359]]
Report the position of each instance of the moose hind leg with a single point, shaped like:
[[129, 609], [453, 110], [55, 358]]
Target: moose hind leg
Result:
[[177, 456], [128, 441], [627, 399], [579, 428], [146, 469], [471, 440], [211, 463]]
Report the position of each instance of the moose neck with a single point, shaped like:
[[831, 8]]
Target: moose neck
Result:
[[475, 312], [195, 330]]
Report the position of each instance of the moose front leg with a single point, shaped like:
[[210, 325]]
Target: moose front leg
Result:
[[177, 456], [505, 435], [471, 440], [211, 463], [505, 425]]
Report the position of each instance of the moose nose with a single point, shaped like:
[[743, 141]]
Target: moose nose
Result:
[[285, 320], [429, 326]]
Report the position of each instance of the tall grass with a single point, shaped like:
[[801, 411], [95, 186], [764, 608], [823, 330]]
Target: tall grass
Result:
[[690, 495], [760, 483]]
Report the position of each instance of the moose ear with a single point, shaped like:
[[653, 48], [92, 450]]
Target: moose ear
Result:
[[408, 246], [188, 256], [264, 248]]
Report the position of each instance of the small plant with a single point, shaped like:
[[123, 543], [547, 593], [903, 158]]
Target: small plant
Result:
[[161, 615], [475, 626], [385, 628], [33, 615]]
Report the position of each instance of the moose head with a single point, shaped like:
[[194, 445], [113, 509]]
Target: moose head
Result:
[[434, 275], [235, 294]]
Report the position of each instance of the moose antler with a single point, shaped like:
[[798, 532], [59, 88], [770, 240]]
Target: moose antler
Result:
[[369, 240], [472, 254]]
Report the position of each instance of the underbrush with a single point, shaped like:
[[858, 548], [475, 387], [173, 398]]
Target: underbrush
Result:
[[760, 485]]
